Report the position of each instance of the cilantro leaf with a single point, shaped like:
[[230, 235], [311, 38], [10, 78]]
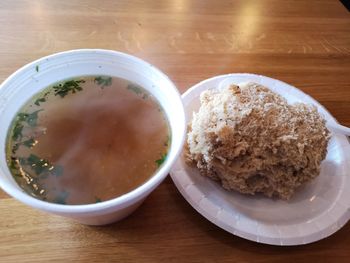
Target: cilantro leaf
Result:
[[135, 88], [162, 159], [13, 163], [39, 165], [39, 100], [29, 143], [70, 86], [32, 118], [22, 116], [17, 131], [103, 81]]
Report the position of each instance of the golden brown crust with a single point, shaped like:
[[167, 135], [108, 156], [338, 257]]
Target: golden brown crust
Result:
[[251, 140]]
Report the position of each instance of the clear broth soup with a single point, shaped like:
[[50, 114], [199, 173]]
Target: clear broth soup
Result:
[[86, 140]]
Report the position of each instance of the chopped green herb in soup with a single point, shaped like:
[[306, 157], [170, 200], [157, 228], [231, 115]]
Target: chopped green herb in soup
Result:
[[87, 140]]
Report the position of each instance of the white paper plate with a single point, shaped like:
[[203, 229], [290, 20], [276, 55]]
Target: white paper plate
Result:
[[316, 211]]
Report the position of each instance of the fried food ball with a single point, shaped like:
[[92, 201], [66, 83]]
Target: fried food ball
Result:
[[251, 140]]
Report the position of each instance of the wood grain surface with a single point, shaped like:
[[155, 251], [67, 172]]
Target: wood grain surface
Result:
[[304, 43]]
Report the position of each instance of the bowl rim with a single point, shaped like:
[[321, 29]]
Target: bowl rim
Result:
[[124, 200]]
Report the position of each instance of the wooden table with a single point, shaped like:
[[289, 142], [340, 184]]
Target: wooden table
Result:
[[305, 43]]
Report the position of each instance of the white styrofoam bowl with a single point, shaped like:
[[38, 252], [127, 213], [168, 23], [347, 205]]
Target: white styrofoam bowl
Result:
[[35, 76]]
